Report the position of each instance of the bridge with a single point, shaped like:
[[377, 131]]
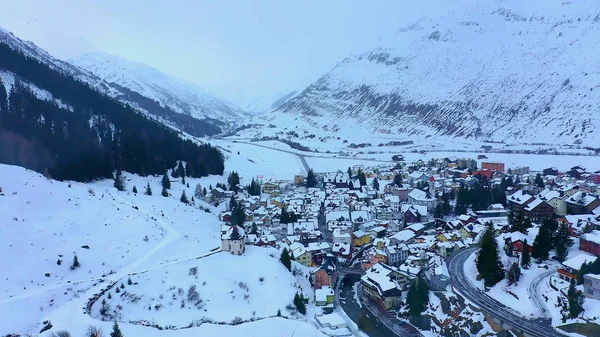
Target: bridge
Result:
[[343, 271]]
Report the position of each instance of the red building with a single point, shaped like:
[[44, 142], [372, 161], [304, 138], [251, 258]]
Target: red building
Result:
[[326, 275], [590, 243], [492, 166], [538, 210]]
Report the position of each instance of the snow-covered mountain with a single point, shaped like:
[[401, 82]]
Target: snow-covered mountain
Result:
[[521, 71], [182, 97], [165, 102], [259, 103]]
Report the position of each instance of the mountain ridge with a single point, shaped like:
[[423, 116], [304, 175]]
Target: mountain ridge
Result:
[[495, 70]]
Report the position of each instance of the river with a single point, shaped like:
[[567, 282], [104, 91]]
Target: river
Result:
[[354, 311]]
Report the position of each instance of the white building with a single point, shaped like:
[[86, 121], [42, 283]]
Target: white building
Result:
[[234, 241], [419, 197]]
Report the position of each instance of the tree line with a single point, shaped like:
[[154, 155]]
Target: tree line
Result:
[[89, 135]]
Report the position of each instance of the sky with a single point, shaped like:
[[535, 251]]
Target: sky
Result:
[[236, 49]]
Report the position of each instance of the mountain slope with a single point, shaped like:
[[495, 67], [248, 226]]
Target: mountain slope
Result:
[[501, 70], [183, 98], [54, 122]]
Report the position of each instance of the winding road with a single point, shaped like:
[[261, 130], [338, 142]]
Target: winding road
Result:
[[539, 327], [536, 295]]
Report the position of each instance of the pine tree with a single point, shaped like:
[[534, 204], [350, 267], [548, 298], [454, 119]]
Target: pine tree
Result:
[[576, 299], [397, 179], [525, 256], [254, 229], [311, 180], [376, 184], [539, 181], [349, 172], [285, 259], [119, 184], [238, 217], [116, 332], [134, 189], [148, 190], [180, 170], [513, 274], [183, 180], [189, 171], [278, 312], [488, 260], [184, 198], [562, 242], [233, 180], [362, 178], [75, 264], [299, 303], [198, 193], [166, 183], [417, 297], [165, 193], [541, 245], [204, 191]]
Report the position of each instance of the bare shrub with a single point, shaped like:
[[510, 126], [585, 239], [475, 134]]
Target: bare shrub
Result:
[[61, 333], [193, 271]]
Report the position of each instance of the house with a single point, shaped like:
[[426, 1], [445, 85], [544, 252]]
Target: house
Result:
[[360, 238], [413, 213], [579, 224], [538, 210], [342, 250], [515, 242], [341, 237], [590, 243], [570, 268], [234, 241], [403, 236], [581, 203], [270, 186], [576, 172], [555, 199], [518, 201], [326, 275], [383, 213], [324, 297], [380, 285], [301, 254], [550, 171], [422, 198], [492, 166], [331, 321], [393, 202], [372, 257], [397, 254], [591, 286]]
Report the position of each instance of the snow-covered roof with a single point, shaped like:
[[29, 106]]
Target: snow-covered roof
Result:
[[533, 204], [592, 276], [378, 277], [519, 197], [321, 294], [593, 236], [404, 235], [333, 320], [577, 261]]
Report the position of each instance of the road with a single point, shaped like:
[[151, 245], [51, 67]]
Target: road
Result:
[[536, 295], [537, 328]]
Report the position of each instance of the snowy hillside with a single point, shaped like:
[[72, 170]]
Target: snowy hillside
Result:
[[258, 103], [183, 98], [501, 70], [116, 236]]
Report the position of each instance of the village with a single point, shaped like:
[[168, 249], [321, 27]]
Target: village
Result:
[[393, 225]]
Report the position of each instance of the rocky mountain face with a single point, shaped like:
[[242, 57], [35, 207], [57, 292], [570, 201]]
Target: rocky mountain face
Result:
[[521, 71]]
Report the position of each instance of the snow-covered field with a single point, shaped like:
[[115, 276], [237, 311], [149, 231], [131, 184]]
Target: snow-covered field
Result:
[[44, 221]]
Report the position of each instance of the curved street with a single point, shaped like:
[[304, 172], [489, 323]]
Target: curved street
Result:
[[536, 295], [538, 328]]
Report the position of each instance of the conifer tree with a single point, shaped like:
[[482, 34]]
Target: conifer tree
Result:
[[76, 263], [349, 172], [166, 183], [148, 190], [562, 242], [376, 184], [488, 260], [198, 192], [254, 229], [539, 181], [362, 178], [184, 198], [233, 180], [134, 189], [417, 296], [180, 170], [576, 299], [541, 244], [165, 193], [397, 179], [189, 171], [311, 180], [116, 332], [119, 184], [513, 274], [204, 191], [299, 303], [183, 179], [285, 259], [525, 256]]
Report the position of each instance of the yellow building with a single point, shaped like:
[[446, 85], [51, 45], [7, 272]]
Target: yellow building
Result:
[[360, 238]]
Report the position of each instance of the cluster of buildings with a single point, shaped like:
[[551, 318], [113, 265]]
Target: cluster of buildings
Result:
[[389, 233]]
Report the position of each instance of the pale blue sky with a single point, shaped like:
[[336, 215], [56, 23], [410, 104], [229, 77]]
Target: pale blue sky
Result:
[[256, 47]]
